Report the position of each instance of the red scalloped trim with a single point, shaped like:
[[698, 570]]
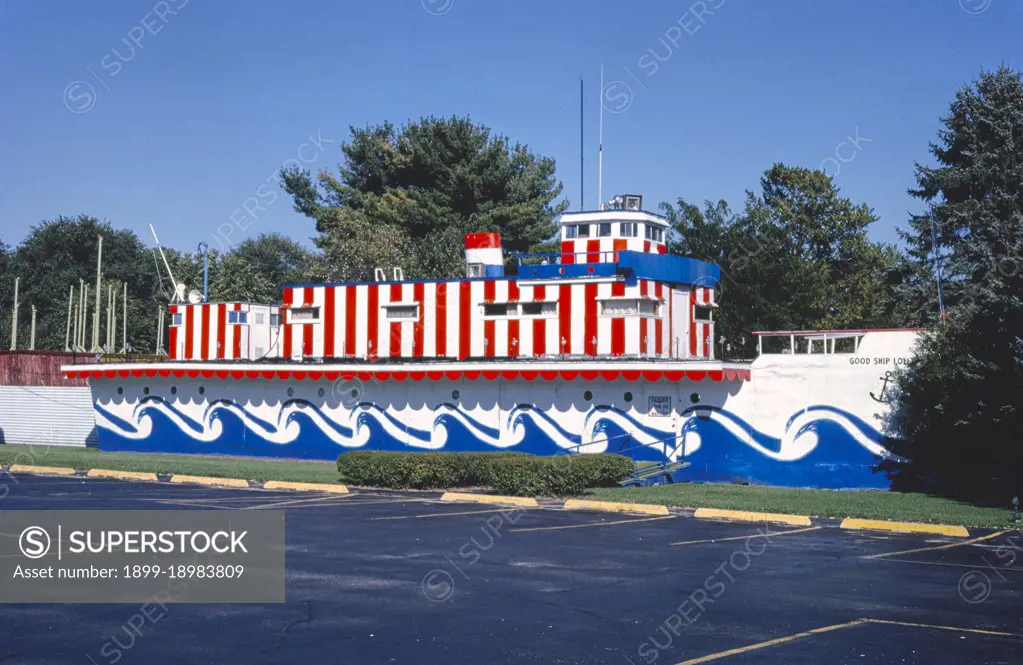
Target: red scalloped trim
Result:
[[433, 375]]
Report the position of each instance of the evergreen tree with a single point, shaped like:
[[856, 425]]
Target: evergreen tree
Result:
[[957, 407], [421, 188]]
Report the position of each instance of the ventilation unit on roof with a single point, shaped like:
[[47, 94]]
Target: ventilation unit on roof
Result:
[[624, 202]]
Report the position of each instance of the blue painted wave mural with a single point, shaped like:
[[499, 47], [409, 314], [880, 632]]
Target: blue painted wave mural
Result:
[[821, 446]]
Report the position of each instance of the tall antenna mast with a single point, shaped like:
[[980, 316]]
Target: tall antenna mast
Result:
[[582, 178], [600, 156], [177, 288], [99, 299]]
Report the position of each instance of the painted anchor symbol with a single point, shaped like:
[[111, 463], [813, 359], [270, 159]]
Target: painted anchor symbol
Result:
[[886, 378]]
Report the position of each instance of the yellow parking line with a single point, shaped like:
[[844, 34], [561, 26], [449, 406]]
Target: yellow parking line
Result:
[[191, 504], [752, 535], [976, 631], [958, 565], [770, 643], [839, 626], [466, 512], [938, 547], [580, 526], [292, 502]]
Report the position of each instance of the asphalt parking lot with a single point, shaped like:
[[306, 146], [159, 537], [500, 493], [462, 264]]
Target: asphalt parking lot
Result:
[[384, 577]]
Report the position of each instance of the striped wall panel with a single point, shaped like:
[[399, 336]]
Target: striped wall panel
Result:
[[450, 320]]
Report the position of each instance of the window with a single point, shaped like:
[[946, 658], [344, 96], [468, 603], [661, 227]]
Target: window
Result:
[[584, 230], [654, 234], [539, 308], [258, 352], [275, 320], [630, 307], [628, 229], [649, 308], [260, 318], [496, 309], [604, 230], [305, 314], [237, 317], [176, 320], [701, 313], [571, 231], [403, 312]]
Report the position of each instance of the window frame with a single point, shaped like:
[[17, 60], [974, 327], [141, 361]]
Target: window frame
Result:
[[389, 307], [637, 310], [311, 308]]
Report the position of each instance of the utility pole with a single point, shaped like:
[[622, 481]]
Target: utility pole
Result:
[[32, 331], [99, 296], [67, 334], [124, 320], [110, 308], [85, 314], [14, 317], [160, 326]]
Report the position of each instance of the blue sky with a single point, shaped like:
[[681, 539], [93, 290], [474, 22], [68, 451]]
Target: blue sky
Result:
[[177, 112]]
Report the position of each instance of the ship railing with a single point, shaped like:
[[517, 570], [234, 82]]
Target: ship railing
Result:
[[626, 445], [806, 341], [558, 258]]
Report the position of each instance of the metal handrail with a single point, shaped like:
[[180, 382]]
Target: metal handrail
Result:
[[555, 258]]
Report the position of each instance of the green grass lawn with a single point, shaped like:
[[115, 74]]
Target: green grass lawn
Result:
[[816, 503], [195, 465]]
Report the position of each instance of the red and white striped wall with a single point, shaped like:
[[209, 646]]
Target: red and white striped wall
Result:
[[205, 333], [601, 250], [448, 319], [701, 332]]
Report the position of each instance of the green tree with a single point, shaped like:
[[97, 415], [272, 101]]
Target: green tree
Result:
[[57, 253], [255, 269], [6, 293], [405, 197], [797, 257], [957, 406]]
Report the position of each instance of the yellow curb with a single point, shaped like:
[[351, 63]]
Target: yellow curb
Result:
[[311, 487], [208, 480], [616, 507], [524, 502], [906, 527], [746, 516], [42, 470], [123, 475]]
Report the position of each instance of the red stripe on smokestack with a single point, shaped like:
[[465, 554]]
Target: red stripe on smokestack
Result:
[[482, 240]]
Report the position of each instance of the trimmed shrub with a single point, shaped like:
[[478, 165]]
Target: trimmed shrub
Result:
[[399, 470], [508, 472], [562, 475]]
